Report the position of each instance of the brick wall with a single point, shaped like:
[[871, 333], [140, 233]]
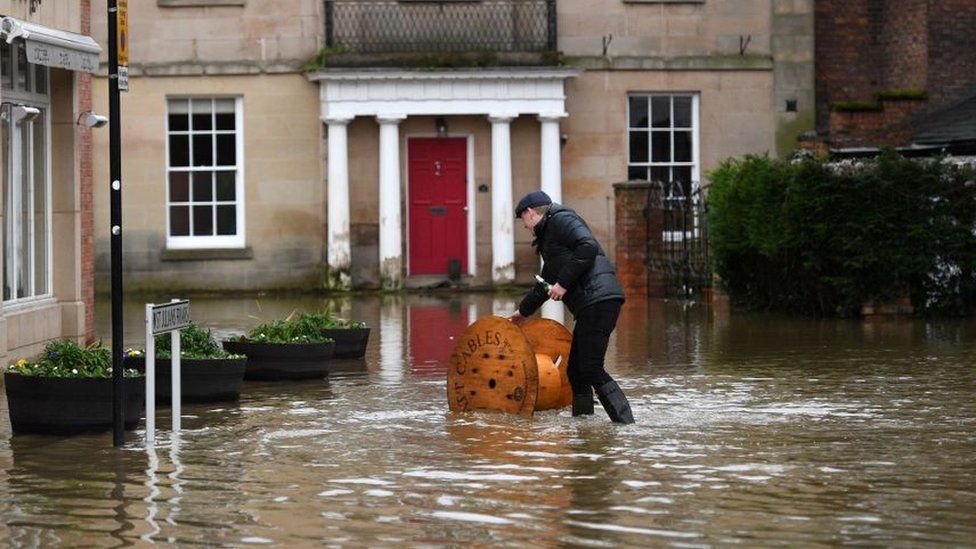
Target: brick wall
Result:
[[904, 44], [635, 237], [952, 50], [847, 52], [85, 178], [874, 45], [630, 200]]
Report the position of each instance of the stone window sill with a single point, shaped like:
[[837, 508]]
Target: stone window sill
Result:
[[207, 254]]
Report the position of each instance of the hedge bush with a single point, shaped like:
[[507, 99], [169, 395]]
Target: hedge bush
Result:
[[824, 238]]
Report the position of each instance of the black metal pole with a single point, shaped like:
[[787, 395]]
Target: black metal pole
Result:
[[115, 176]]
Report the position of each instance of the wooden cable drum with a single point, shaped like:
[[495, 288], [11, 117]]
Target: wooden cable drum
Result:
[[551, 338], [498, 366]]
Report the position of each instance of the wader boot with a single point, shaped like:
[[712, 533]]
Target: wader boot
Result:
[[614, 402], [583, 403]]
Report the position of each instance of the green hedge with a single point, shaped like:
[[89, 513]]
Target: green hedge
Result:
[[817, 238]]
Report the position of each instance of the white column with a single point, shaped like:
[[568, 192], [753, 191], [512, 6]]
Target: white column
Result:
[[339, 255], [550, 176], [502, 209], [550, 173], [391, 240]]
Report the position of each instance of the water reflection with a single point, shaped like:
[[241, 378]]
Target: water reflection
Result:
[[751, 429]]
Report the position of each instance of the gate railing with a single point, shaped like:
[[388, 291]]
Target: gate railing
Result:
[[680, 255]]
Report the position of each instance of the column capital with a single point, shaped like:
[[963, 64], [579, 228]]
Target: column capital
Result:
[[390, 118], [501, 117], [552, 116], [337, 120]]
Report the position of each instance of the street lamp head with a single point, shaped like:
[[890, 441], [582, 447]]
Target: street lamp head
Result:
[[95, 120]]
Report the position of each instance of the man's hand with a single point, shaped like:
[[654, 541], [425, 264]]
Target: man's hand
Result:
[[517, 318], [557, 292]]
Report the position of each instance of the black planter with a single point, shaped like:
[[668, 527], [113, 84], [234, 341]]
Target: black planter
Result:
[[276, 361], [69, 405], [349, 342], [201, 379]]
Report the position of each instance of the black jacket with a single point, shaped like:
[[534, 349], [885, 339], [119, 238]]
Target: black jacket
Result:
[[573, 258]]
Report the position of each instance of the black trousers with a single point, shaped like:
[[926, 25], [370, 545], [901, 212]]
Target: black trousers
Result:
[[594, 324]]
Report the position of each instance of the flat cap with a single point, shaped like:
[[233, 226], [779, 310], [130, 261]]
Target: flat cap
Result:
[[531, 200]]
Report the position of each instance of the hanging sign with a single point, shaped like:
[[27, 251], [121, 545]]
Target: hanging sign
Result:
[[123, 46]]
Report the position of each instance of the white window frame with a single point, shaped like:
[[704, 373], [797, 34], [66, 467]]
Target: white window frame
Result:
[[13, 175], [694, 163], [236, 241]]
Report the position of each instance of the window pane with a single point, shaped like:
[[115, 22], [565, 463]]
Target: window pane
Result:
[[179, 150], [661, 147], [637, 173], [21, 55], [202, 113], [224, 109], [179, 115], [8, 233], [202, 220], [40, 79], [202, 188], [179, 187], [179, 220], [683, 174], [178, 122], [226, 186], [6, 69], [638, 146], [226, 150], [226, 220], [22, 217], [40, 207], [638, 112], [661, 112], [682, 146], [661, 174], [682, 112], [202, 150]]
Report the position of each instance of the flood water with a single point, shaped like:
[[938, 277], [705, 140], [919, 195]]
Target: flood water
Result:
[[751, 429]]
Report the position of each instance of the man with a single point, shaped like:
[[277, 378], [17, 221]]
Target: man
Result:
[[577, 273]]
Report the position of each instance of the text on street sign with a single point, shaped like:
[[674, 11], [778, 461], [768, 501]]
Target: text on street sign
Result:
[[170, 316]]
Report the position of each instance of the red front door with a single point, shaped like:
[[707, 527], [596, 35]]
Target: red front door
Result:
[[437, 170]]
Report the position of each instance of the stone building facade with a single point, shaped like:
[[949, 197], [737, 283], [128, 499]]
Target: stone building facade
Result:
[[46, 219], [308, 144]]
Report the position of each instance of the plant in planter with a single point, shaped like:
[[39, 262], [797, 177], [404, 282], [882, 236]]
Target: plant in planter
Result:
[[207, 372], [290, 348], [68, 390], [350, 336]]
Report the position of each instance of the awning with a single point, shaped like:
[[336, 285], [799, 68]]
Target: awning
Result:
[[53, 47]]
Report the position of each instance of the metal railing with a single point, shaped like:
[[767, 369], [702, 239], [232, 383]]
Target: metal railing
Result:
[[412, 26], [681, 254]]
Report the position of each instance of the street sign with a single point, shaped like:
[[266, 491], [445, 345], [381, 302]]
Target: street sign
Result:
[[123, 21], [166, 317], [170, 316], [123, 44], [123, 78]]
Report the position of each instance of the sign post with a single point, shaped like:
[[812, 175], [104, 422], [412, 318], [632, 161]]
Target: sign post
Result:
[[115, 213], [167, 317]]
